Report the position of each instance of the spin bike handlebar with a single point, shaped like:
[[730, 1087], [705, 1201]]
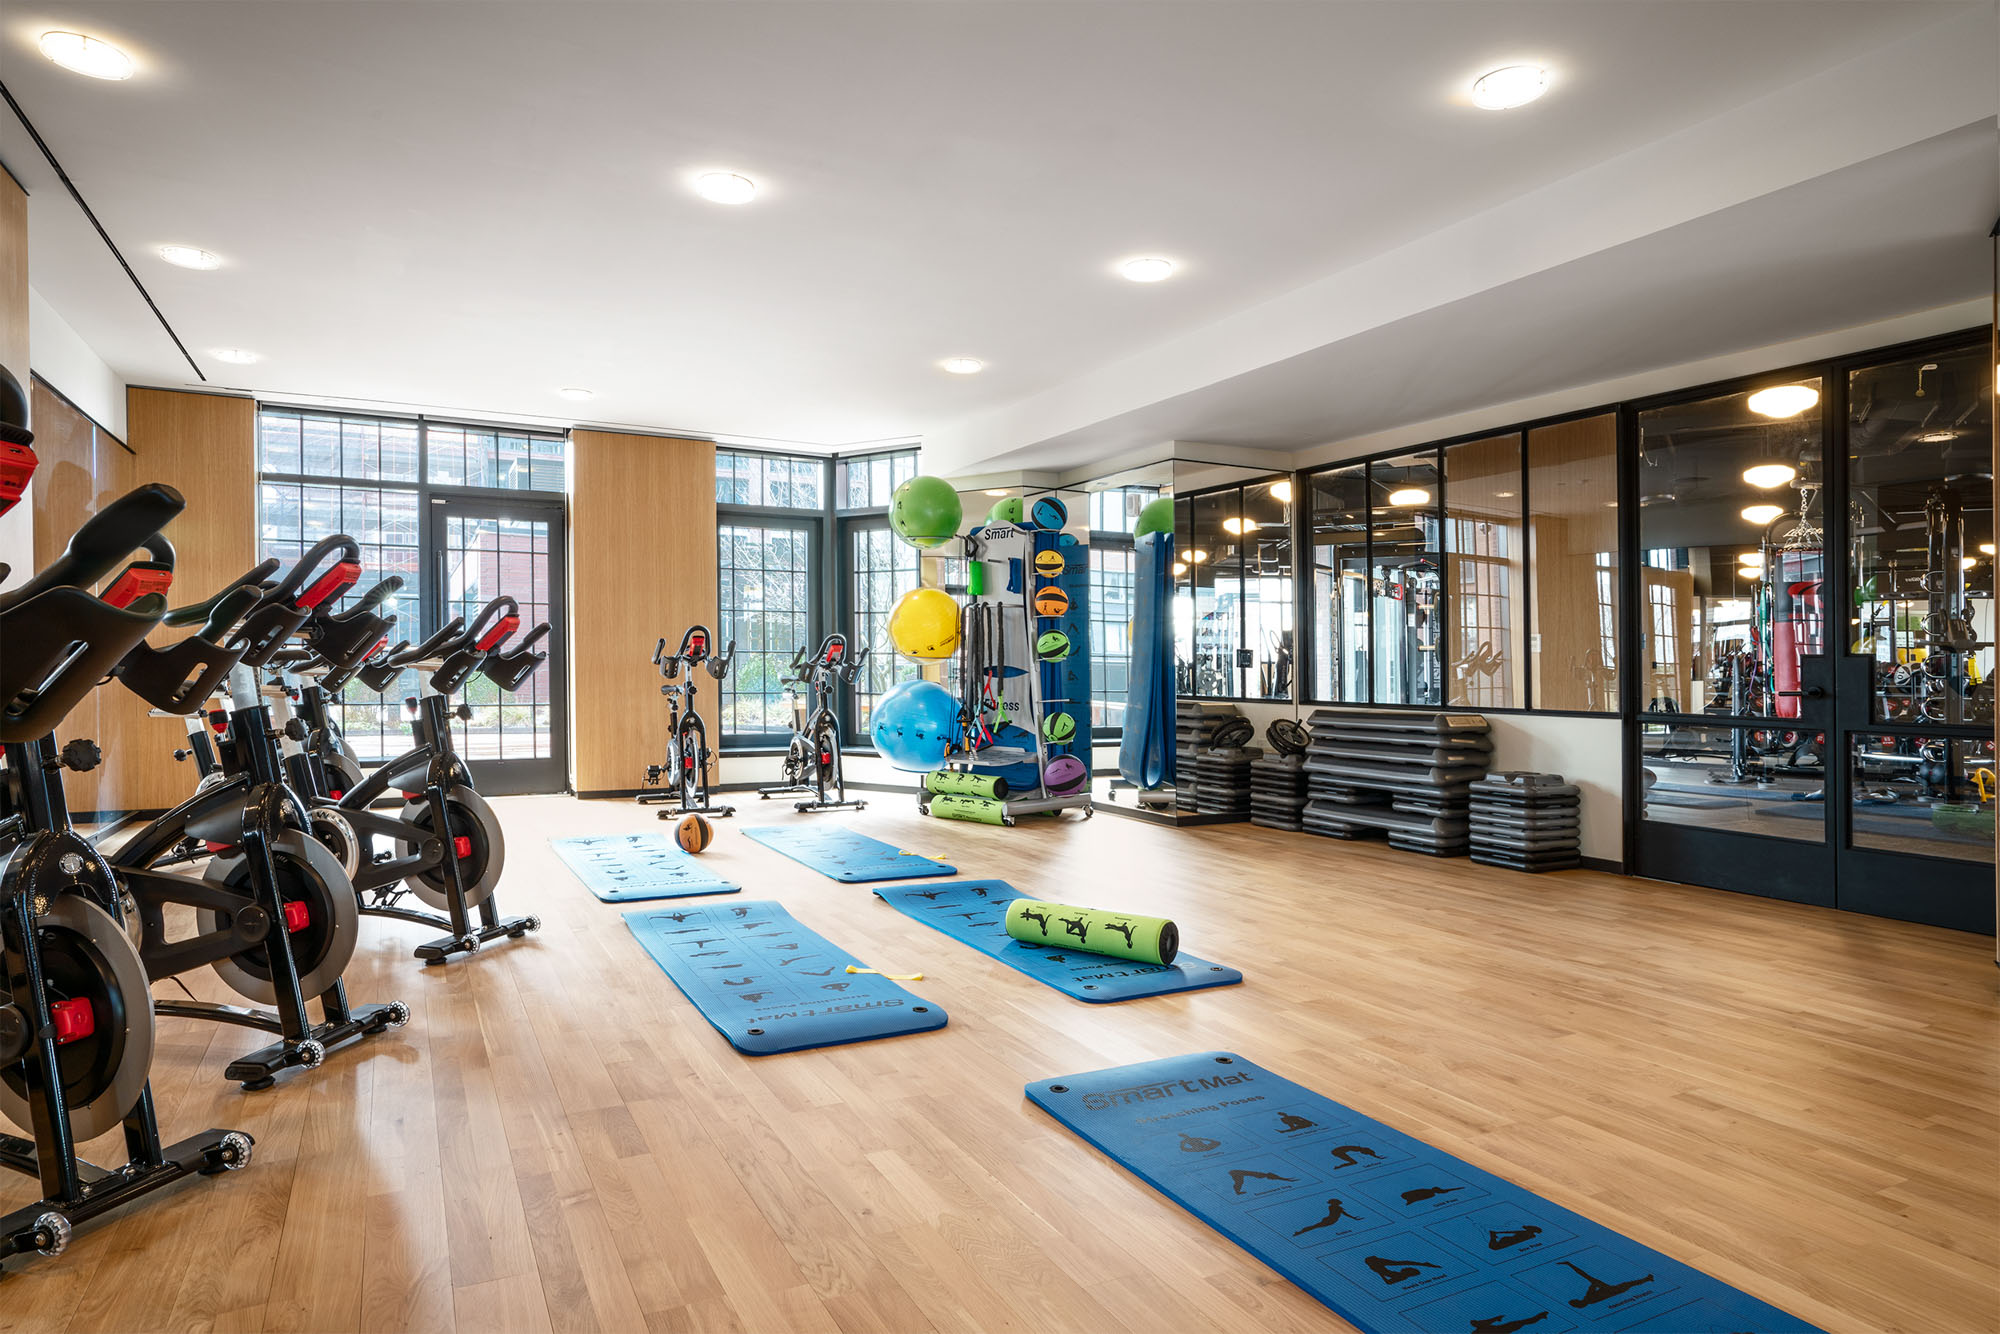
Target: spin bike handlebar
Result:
[[208, 612], [288, 605], [132, 521]]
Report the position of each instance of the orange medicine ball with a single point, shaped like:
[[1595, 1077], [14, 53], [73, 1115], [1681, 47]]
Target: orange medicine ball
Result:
[[694, 834]]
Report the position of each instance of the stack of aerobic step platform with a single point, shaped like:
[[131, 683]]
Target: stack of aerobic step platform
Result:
[[1407, 775], [1278, 780], [1222, 780], [1525, 821], [1195, 728]]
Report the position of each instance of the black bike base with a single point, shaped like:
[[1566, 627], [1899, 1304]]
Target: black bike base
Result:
[[717, 811], [260, 1069], [440, 950], [767, 793], [22, 1232]]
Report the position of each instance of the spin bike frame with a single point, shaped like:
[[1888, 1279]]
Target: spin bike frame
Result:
[[685, 774], [819, 673], [249, 810], [450, 656], [42, 857]]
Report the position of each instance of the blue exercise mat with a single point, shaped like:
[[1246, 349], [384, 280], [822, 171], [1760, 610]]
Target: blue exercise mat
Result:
[[630, 868], [1391, 1233], [845, 855], [1146, 748], [769, 984], [975, 912]]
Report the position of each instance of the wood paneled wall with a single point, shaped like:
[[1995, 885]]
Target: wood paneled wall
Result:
[[642, 565], [14, 277]]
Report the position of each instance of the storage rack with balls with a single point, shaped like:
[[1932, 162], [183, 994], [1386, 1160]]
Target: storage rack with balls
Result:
[[1015, 740]]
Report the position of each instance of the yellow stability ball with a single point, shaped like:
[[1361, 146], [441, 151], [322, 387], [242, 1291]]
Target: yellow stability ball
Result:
[[924, 624]]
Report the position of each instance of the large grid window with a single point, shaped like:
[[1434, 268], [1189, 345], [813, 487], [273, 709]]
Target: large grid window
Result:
[[881, 567], [766, 601], [769, 481], [866, 482], [1111, 580], [322, 473]]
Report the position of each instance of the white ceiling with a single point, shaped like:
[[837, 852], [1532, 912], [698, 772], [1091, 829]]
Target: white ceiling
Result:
[[465, 206]]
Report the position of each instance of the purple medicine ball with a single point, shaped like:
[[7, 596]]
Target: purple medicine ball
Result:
[[1065, 775]]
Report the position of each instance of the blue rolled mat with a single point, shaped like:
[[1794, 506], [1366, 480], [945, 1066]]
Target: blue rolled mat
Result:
[[1393, 1234], [630, 868], [769, 984], [1146, 747], [845, 855], [975, 911]]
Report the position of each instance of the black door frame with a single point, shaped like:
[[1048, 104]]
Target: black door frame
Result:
[[510, 777], [1834, 873]]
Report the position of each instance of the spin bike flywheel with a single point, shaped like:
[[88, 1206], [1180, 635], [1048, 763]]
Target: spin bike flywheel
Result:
[[483, 850], [86, 957], [329, 926]]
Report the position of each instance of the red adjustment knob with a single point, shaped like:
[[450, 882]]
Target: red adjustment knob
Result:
[[462, 845], [297, 917], [337, 794], [73, 1019], [218, 847]]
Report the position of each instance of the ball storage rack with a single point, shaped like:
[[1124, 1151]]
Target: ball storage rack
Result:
[[1407, 776]]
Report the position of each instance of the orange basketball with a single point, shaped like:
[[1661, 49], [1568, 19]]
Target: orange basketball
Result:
[[694, 834]]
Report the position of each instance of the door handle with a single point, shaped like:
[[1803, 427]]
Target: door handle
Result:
[[1810, 692]]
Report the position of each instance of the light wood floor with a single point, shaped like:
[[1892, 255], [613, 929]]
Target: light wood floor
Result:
[[1799, 1102]]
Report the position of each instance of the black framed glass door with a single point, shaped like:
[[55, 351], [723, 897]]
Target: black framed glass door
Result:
[[1814, 639], [483, 547]]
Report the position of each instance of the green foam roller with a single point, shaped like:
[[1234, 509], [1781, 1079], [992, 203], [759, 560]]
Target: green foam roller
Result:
[[1120, 935], [951, 783], [979, 810]]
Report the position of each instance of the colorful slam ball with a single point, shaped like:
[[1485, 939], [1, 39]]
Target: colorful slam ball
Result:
[[924, 624], [925, 512], [1064, 775], [1157, 517], [1050, 513], [914, 725], [1011, 510]]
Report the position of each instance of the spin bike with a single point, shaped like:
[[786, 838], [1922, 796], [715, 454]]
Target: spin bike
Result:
[[275, 915], [812, 761], [684, 776], [444, 846], [76, 1014]]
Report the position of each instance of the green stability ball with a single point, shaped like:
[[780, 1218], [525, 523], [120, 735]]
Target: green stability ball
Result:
[[1157, 517], [1010, 510], [925, 512]]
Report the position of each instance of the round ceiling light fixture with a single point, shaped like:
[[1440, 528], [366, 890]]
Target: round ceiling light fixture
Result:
[[1937, 437], [92, 56], [1754, 559], [1986, 548], [725, 187], [235, 356], [1509, 86], [576, 395], [1237, 527], [1767, 475], [997, 491], [1762, 513], [1784, 400], [190, 257], [1197, 555], [1148, 269], [963, 365], [1409, 497], [1281, 492], [1967, 562]]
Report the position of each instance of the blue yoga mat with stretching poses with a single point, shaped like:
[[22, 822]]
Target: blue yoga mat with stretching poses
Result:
[[975, 912], [1146, 748], [1393, 1234], [845, 855], [630, 868], [769, 984]]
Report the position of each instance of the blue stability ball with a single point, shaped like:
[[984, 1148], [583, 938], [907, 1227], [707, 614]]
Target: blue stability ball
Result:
[[914, 725]]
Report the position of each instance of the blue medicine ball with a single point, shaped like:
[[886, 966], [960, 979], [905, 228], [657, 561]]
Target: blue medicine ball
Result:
[[914, 725]]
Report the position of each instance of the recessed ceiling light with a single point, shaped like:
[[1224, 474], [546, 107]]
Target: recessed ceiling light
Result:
[[963, 365], [1409, 497], [578, 395], [725, 187], [1238, 527], [235, 356], [1762, 513], [1503, 495], [1281, 492], [1986, 548], [1768, 475], [1510, 86], [1967, 562], [1784, 400], [997, 491], [1147, 269], [1180, 567], [86, 55], [1751, 558], [1937, 437], [1197, 555], [189, 257]]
